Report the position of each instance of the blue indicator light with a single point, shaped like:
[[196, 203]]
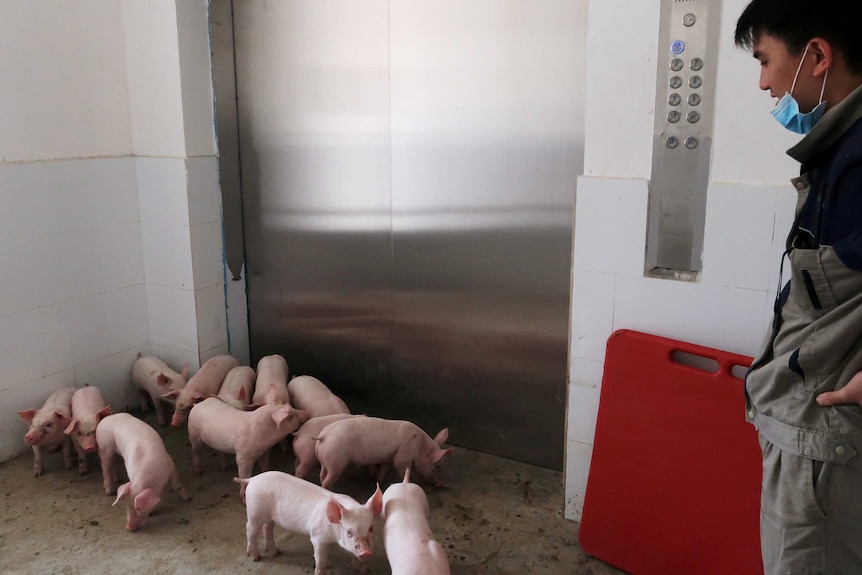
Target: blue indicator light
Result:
[[677, 47]]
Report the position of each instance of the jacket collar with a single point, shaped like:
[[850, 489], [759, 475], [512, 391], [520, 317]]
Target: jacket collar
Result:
[[831, 126]]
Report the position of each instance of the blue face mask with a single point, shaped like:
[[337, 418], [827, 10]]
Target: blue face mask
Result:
[[787, 110]]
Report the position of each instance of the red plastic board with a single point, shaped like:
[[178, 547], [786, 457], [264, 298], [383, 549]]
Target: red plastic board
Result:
[[674, 484]]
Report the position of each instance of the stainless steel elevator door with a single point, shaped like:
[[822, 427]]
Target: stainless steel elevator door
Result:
[[408, 176]]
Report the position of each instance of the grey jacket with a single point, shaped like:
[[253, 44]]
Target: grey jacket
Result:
[[815, 344]]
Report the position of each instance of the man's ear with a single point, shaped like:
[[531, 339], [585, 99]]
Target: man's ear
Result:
[[823, 55]]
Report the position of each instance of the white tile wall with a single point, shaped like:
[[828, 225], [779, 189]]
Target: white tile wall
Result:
[[31, 273], [36, 343], [610, 225], [153, 76], [584, 392], [738, 242], [167, 255], [220, 350], [162, 190], [85, 243], [592, 318], [112, 375], [206, 248], [172, 317], [204, 192], [73, 304], [64, 81], [176, 358], [578, 456], [211, 317], [105, 324], [719, 317], [95, 260], [192, 20]]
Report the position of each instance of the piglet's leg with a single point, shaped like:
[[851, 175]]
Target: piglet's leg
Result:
[[108, 468], [160, 411], [68, 453], [252, 530], [83, 468], [321, 555], [178, 487], [263, 461], [197, 445], [269, 538], [244, 465], [37, 461]]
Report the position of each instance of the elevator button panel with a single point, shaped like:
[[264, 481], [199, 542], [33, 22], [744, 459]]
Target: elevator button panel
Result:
[[688, 43]]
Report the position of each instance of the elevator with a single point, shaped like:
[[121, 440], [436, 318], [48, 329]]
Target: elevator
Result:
[[399, 180]]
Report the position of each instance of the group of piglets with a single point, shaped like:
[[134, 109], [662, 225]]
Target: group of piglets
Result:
[[237, 410]]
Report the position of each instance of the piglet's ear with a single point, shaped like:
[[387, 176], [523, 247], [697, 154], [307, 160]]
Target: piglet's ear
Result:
[[146, 500], [185, 373], [163, 379], [441, 437], [71, 427], [122, 492], [172, 394], [441, 453], [281, 414], [64, 420], [333, 511], [375, 502], [27, 415], [104, 412]]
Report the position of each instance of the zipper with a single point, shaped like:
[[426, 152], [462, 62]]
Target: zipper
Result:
[[812, 293]]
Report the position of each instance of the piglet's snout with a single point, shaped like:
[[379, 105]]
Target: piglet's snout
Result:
[[363, 549]]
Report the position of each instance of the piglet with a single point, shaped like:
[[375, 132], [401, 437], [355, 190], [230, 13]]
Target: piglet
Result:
[[248, 434], [46, 428], [148, 465], [154, 378], [302, 507], [410, 545], [206, 382], [310, 394], [369, 441], [238, 386], [271, 385], [88, 409], [304, 441]]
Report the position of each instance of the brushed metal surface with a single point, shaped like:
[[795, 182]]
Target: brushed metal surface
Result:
[[409, 172], [688, 34]]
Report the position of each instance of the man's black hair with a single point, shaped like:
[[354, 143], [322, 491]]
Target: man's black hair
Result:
[[795, 22]]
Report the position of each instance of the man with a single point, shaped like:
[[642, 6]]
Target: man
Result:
[[804, 390]]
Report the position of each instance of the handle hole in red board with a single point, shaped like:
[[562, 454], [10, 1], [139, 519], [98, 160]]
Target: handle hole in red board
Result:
[[696, 361], [739, 371]]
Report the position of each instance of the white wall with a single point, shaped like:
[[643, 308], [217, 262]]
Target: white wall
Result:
[[173, 140], [110, 227], [749, 209]]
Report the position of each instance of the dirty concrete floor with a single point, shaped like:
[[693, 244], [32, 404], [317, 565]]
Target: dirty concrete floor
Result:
[[492, 516]]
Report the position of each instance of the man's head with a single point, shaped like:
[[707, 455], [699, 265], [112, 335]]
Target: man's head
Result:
[[826, 32]]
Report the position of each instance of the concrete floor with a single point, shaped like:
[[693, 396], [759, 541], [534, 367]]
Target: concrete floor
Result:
[[492, 516]]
